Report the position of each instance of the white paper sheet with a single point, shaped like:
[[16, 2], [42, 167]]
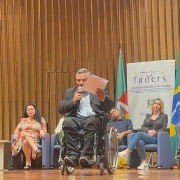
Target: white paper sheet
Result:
[[93, 83]]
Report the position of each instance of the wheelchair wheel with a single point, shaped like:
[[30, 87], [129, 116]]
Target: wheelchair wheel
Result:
[[69, 169], [62, 167], [101, 167], [111, 151], [178, 164]]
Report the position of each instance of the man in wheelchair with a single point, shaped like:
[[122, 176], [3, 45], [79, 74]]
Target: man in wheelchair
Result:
[[83, 111]]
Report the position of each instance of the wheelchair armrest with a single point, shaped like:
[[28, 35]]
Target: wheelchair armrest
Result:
[[106, 115]]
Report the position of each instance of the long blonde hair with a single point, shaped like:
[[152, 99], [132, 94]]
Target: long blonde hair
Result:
[[162, 105]]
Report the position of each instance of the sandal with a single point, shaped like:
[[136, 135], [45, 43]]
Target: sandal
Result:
[[27, 167], [38, 153]]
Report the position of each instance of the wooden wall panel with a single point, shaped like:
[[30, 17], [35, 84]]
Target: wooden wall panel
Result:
[[19, 87], [175, 28], [134, 31], [5, 78], [24, 51], [128, 27], [155, 30], [64, 32], [148, 28], [112, 44], [142, 31], [95, 29], [162, 26], [10, 70], [43, 43], [76, 26], [38, 55], [31, 50], [169, 29], [1, 82]]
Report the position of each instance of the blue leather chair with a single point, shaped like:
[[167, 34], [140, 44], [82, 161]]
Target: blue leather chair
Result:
[[55, 147], [163, 148], [122, 148], [16, 161]]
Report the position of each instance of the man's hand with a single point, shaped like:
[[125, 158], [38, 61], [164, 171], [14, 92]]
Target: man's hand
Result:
[[77, 96], [100, 94], [120, 135]]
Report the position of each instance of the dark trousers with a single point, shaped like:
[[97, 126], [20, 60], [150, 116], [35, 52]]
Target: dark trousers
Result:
[[123, 141], [72, 125]]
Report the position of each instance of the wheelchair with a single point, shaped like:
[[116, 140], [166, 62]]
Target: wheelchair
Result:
[[105, 149]]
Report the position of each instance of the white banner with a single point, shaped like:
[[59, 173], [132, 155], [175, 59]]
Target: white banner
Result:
[[147, 81]]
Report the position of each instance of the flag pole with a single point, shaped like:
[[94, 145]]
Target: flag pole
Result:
[[120, 45], [121, 92]]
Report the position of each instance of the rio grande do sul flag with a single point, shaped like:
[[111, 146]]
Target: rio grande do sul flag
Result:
[[121, 101]]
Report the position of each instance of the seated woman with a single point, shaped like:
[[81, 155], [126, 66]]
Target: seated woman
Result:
[[30, 128], [153, 124]]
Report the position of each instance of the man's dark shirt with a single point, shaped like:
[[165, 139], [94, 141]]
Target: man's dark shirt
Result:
[[122, 125]]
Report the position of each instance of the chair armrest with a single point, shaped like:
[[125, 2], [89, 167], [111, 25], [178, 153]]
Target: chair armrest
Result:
[[163, 135], [164, 150], [163, 139], [46, 141], [12, 139], [53, 141]]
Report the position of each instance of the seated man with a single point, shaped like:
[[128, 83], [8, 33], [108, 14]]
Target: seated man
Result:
[[123, 126], [82, 111]]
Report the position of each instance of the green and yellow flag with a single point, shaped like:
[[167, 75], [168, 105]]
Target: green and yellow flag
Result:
[[175, 108], [121, 101]]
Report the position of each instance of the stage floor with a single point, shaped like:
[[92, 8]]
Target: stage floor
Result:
[[91, 174]]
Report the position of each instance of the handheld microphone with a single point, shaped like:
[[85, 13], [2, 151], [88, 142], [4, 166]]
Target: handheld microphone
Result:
[[80, 88]]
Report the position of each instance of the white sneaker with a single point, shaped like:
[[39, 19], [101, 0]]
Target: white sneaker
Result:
[[143, 166], [123, 155]]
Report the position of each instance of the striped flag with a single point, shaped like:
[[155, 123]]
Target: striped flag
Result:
[[175, 109], [121, 93]]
